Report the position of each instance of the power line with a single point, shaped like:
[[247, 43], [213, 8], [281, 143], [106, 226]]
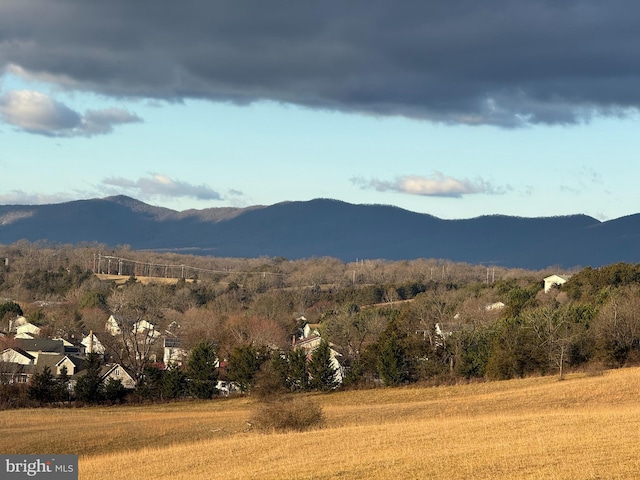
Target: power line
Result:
[[148, 268]]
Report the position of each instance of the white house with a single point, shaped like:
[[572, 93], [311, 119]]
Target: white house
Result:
[[311, 343], [17, 355], [554, 280], [146, 328], [16, 322], [174, 354], [310, 329], [16, 365], [94, 346], [112, 326], [28, 328]]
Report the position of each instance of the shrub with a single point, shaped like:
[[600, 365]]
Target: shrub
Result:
[[288, 414]]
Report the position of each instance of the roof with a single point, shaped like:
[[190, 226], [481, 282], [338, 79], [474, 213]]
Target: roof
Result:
[[40, 345], [172, 342], [556, 277], [49, 360], [53, 360], [106, 370], [87, 338], [22, 352]]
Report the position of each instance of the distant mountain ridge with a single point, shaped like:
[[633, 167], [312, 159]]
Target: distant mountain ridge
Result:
[[324, 227]]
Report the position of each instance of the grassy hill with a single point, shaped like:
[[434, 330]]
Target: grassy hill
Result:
[[585, 427]]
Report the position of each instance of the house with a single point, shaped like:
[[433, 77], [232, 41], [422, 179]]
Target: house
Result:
[[17, 355], [57, 362], [17, 322], [174, 354], [310, 343], [70, 348], [28, 328], [37, 346], [112, 370], [310, 329], [116, 371], [112, 326], [146, 329], [16, 365], [91, 344], [554, 280]]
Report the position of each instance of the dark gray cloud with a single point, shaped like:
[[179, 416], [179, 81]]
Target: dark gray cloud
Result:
[[501, 62], [436, 185], [35, 112], [158, 185]]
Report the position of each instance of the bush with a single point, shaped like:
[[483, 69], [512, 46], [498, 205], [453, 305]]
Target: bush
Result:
[[288, 414]]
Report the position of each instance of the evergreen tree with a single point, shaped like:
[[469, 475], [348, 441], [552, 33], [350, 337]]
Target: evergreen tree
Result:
[[174, 383], [42, 387], [393, 363], [297, 373], [150, 385], [321, 368], [62, 393], [244, 364], [114, 391], [202, 370], [89, 387], [8, 311]]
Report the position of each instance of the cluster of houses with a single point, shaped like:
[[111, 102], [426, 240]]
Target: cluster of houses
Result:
[[26, 353]]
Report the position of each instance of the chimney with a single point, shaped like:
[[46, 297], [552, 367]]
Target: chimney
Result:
[[90, 341]]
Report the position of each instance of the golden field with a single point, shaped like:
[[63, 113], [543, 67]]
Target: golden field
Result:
[[585, 427]]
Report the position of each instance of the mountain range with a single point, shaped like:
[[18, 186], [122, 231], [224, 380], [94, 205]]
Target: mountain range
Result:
[[324, 227]]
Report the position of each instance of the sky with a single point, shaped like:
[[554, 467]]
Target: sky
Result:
[[455, 108]]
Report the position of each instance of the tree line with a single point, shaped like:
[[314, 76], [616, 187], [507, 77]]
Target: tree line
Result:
[[407, 324]]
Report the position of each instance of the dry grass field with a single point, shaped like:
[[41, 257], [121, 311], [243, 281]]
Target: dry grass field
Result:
[[586, 427]]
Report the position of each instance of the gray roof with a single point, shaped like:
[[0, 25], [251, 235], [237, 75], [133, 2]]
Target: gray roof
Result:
[[40, 345], [172, 342], [51, 360]]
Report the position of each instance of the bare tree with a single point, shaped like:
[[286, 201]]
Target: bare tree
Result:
[[617, 328], [138, 312]]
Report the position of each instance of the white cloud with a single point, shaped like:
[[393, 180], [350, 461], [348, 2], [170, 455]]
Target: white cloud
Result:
[[158, 185], [38, 113], [436, 185]]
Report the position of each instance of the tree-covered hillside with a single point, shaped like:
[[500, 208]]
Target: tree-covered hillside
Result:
[[389, 323]]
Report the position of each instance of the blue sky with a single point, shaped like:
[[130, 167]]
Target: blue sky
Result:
[[91, 124]]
